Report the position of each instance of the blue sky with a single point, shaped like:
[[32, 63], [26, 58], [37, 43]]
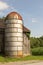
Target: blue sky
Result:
[[30, 10]]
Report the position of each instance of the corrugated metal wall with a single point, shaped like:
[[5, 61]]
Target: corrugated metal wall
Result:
[[13, 37]]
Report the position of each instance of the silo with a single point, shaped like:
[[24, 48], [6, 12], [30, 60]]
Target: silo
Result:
[[13, 34]]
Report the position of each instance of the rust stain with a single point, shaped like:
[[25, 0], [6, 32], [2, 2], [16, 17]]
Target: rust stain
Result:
[[20, 53]]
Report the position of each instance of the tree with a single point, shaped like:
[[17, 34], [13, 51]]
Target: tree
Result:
[[36, 42]]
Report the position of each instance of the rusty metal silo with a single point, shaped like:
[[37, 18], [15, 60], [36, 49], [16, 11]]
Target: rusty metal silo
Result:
[[13, 35]]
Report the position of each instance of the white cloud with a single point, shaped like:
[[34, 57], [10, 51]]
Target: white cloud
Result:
[[3, 5], [34, 20]]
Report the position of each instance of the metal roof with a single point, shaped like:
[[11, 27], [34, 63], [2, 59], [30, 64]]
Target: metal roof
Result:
[[13, 15], [25, 29]]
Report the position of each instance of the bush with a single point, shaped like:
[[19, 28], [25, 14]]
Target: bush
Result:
[[37, 51]]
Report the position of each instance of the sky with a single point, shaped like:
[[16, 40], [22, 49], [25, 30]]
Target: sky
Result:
[[30, 10]]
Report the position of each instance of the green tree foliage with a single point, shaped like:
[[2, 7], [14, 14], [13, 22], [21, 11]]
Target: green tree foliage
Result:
[[28, 34], [37, 45], [36, 42]]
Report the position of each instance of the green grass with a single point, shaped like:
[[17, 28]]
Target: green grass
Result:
[[7, 59]]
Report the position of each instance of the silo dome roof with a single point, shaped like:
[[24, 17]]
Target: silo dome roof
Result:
[[13, 15]]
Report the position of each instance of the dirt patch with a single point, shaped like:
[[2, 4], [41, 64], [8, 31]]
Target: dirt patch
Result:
[[20, 62]]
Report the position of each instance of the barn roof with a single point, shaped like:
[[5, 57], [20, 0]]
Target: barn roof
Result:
[[25, 29]]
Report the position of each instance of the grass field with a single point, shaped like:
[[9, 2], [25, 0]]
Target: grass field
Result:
[[3, 59]]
